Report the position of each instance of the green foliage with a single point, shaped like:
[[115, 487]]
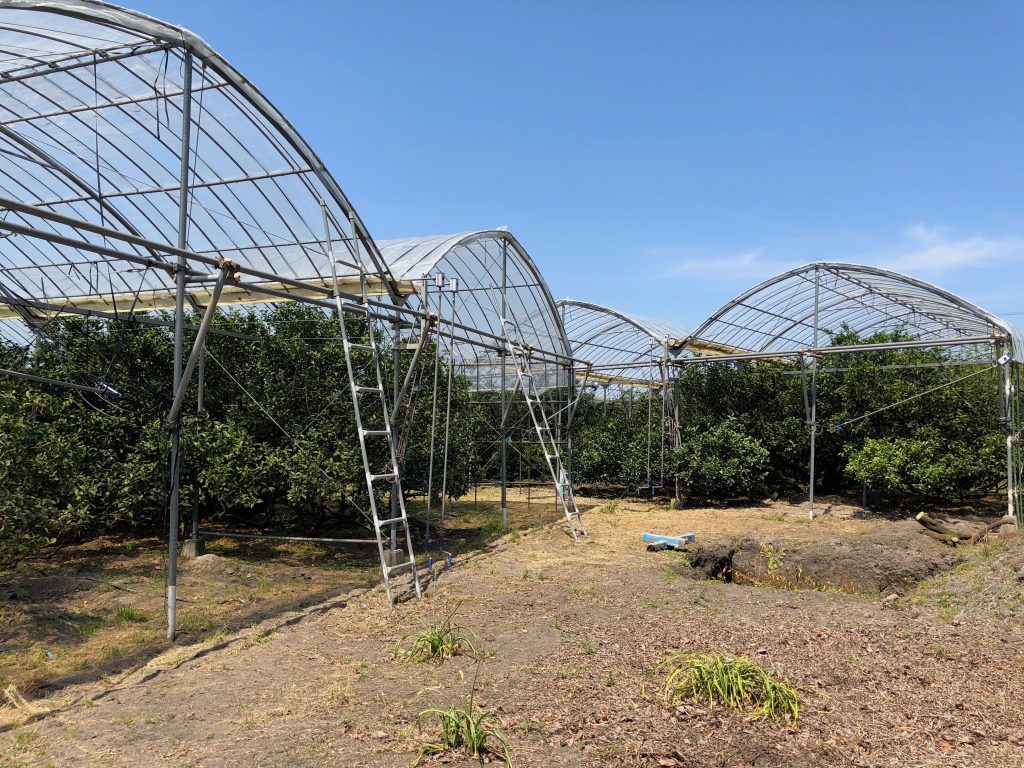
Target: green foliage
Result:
[[944, 445], [744, 427], [436, 641], [721, 462], [736, 683], [74, 464], [612, 441], [925, 466], [775, 557], [467, 728], [761, 400]]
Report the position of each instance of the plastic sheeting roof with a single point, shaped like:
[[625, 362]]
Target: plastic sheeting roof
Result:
[[91, 118], [92, 102], [779, 314], [623, 348], [475, 260]]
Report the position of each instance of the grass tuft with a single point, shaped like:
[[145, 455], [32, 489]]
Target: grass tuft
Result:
[[493, 526], [465, 727], [736, 683], [129, 614], [437, 641]]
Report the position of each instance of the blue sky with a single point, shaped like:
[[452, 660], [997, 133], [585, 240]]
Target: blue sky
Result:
[[662, 157]]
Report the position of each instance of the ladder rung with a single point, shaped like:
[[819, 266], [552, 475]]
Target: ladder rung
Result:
[[391, 520], [377, 432], [362, 390], [385, 476], [355, 345], [399, 567]]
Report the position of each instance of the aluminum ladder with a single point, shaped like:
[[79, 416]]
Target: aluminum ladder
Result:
[[368, 394], [520, 354]]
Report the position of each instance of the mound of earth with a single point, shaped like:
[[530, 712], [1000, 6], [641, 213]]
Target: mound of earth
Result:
[[879, 561], [207, 563]]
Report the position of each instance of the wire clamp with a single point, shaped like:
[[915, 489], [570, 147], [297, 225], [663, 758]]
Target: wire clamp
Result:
[[107, 390]]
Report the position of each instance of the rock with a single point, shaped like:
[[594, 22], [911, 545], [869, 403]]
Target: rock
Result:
[[207, 563]]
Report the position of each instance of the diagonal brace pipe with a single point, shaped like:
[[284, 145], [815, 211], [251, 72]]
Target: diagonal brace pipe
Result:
[[425, 323], [227, 271]]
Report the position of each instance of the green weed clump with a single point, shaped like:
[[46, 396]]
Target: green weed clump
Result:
[[129, 614], [437, 641], [736, 683], [493, 526], [465, 727]]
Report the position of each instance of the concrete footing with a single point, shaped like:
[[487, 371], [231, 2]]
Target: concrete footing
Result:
[[192, 548], [393, 557]]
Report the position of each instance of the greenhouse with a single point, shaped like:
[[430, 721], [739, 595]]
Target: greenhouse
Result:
[[146, 182]]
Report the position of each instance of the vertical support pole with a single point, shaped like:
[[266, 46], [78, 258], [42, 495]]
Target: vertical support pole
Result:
[[570, 417], [814, 394], [433, 419], [677, 437], [453, 287], [179, 335], [650, 417], [664, 405], [1006, 409], [396, 486], [1017, 430], [503, 435]]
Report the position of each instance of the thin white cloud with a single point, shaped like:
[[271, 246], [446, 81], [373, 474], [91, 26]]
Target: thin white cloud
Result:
[[919, 249], [676, 263], [925, 248]]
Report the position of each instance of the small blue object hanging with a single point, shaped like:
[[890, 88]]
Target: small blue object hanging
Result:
[[108, 391], [838, 427]]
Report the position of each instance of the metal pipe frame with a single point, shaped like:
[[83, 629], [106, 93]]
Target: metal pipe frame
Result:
[[350, 304], [198, 347], [54, 382], [814, 396], [841, 350], [179, 337], [265, 537]]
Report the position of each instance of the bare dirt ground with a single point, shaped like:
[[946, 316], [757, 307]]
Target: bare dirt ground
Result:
[[928, 674]]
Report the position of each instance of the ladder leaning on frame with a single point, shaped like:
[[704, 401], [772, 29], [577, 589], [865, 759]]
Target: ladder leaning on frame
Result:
[[365, 394], [520, 352]]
